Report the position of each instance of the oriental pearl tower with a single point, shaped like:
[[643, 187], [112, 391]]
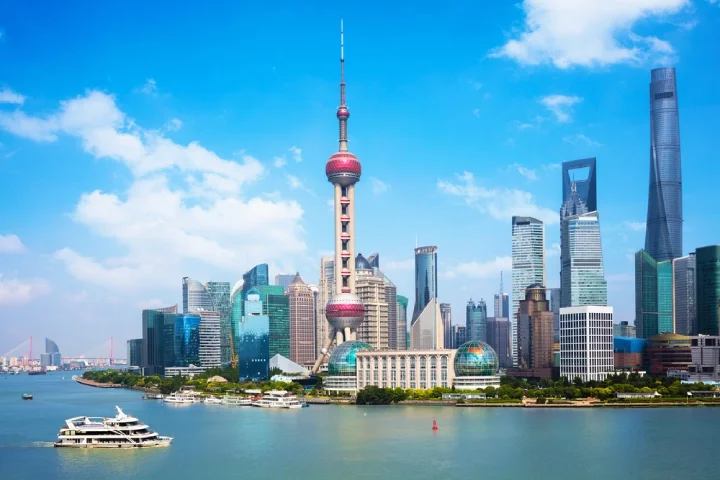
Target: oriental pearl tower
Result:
[[345, 311]]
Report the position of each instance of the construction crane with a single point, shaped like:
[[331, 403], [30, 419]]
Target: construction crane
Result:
[[233, 357]]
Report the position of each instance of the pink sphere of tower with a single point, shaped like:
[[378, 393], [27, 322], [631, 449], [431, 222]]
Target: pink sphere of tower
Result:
[[343, 168], [345, 310], [343, 113]]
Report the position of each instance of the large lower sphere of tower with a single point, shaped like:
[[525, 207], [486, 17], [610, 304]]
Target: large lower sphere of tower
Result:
[[345, 310], [343, 168]]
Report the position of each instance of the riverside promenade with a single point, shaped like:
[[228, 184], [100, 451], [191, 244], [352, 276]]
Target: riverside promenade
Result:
[[90, 383]]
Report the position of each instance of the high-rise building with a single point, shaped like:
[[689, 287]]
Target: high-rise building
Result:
[[707, 284], [258, 275], [186, 342], [684, 314], [326, 287], [155, 339], [426, 328], [446, 315], [134, 352], [219, 293], [498, 337], [476, 321], [528, 265], [371, 290], [402, 331], [535, 332], [653, 295], [254, 340], [582, 276], [391, 299], [579, 175], [54, 357], [302, 321], [586, 343], [555, 296], [195, 296], [284, 280], [276, 305], [209, 331], [501, 304], [374, 260], [624, 329], [663, 235], [345, 311], [459, 335]]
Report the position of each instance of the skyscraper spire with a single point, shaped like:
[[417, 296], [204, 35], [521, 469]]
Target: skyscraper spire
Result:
[[343, 113], [501, 282]]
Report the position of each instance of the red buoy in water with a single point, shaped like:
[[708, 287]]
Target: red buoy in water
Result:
[[434, 427]]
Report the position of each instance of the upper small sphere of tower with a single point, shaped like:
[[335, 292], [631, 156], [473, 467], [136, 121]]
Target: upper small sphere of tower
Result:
[[343, 168], [343, 113]]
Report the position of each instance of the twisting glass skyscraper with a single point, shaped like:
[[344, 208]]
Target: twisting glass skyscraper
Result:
[[663, 235]]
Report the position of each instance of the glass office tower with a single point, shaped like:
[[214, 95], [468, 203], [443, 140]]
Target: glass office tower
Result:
[[425, 277], [476, 321], [187, 340], [582, 276], [276, 305], [254, 340], [663, 235], [707, 281], [219, 293], [653, 296]]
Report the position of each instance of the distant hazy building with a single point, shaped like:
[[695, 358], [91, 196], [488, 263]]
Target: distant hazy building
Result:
[[302, 322], [326, 290], [402, 331], [555, 307], [446, 315], [528, 264], [209, 351], [586, 342], [195, 296], [707, 284], [684, 313], [535, 333], [426, 330], [624, 329], [186, 344], [663, 235], [653, 295], [276, 305], [284, 280], [156, 340], [134, 352], [476, 321], [258, 275], [498, 337], [254, 355], [219, 293], [54, 357], [459, 335], [371, 290]]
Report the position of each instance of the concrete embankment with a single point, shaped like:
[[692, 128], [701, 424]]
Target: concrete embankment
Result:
[[90, 383]]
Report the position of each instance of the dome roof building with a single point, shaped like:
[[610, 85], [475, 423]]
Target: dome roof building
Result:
[[476, 366], [342, 366]]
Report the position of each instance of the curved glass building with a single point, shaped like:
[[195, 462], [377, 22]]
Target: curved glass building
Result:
[[342, 366], [475, 359], [187, 340], [663, 235]]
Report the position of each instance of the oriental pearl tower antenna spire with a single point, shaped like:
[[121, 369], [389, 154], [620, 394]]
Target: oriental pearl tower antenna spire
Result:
[[345, 311]]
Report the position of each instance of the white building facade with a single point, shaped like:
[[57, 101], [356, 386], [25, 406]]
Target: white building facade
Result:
[[209, 338], [586, 342], [420, 369]]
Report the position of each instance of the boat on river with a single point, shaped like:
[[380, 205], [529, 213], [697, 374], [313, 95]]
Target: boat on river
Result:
[[277, 399], [27, 396], [232, 401], [120, 431], [153, 396], [181, 398]]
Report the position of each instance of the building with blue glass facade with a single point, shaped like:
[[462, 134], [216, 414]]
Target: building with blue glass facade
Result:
[[582, 275], [707, 281], [425, 278], [663, 235], [186, 343], [157, 339], [254, 340], [258, 275], [476, 321], [134, 352], [653, 295], [276, 305], [219, 293]]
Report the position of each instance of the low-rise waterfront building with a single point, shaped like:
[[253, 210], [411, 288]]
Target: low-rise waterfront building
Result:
[[189, 371], [668, 351], [705, 357], [629, 353], [637, 395]]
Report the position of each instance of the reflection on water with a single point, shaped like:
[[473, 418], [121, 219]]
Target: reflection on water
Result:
[[361, 442]]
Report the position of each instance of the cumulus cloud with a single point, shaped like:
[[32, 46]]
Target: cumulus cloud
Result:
[[279, 162], [528, 173], [14, 291], [395, 265], [377, 186], [296, 153], [634, 226], [561, 106], [588, 33], [487, 269], [11, 244], [149, 87], [174, 125], [11, 97], [168, 224], [580, 138], [553, 251], [499, 203]]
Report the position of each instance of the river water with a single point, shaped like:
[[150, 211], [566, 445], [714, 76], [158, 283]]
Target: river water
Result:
[[348, 442]]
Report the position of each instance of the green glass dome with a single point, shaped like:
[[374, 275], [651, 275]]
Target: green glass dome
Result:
[[475, 359], [343, 360]]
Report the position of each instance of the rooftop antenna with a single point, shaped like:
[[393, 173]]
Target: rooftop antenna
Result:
[[501, 282]]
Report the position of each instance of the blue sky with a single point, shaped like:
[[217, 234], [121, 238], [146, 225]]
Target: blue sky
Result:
[[140, 143]]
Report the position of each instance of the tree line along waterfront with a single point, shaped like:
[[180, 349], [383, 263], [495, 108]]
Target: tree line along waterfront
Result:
[[511, 390]]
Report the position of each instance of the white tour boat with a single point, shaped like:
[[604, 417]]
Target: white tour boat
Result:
[[231, 401], [121, 431], [181, 398], [212, 401], [277, 399]]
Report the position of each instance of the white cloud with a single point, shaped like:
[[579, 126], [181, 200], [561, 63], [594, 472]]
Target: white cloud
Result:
[[476, 112], [331, 204], [553, 251], [149, 88], [395, 265], [9, 96], [528, 173], [489, 269], [588, 33], [560, 106], [34, 128], [296, 153], [11, 244], [174, 125], [499, 203], [293, 181], [150, 304], [579, 137], [378, 186], [169, 225], [487, 96], [522, 126], [279, 162], [634, 226], [476, 85], [18, 292]]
